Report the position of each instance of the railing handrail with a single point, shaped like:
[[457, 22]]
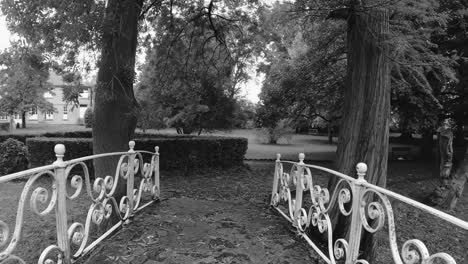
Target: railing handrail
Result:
[[103, 155], [447, 217], [102, 191], [29, 172], [356, 199], [336, 173]]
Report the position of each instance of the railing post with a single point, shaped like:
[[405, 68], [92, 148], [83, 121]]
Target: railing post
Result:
[[299, 188], [61, 206], [131, 177], [356, 221], [156, 172], [276, 178]]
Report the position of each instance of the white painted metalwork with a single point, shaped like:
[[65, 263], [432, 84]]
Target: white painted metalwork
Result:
[[101, 192], [356, 199]]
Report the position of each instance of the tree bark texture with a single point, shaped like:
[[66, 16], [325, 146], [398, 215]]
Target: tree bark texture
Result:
[[445, 139], [364, 129], [23, 120], [447, 196], [330, 133], [115, 108], [458, 182]]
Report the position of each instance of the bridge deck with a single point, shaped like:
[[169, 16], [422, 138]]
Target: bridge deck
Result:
[[185, 230]]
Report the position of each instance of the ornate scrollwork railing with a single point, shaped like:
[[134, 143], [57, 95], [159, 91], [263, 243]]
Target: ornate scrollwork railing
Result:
[[102, 193], [368, 207]]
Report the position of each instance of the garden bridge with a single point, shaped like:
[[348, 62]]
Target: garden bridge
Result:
[[150, 225]]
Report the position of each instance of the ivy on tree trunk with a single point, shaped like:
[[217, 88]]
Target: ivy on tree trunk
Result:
[[115, 108]]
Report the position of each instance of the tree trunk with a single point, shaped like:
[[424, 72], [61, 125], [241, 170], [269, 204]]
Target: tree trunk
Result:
[[330, 133], [364, 129], [459, 137], [445, 148], [23, 120], [447, 196], [116, 109], [458, 183]]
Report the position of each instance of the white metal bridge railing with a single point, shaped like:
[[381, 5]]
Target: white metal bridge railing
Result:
[[354, 199], [75, 240]]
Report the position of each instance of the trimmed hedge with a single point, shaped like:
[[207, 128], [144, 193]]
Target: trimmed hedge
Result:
[[23, 137], [176, 152], [84, 134]]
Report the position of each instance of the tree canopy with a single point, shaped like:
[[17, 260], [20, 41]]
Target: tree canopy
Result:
[[195, 62], [24, 72]]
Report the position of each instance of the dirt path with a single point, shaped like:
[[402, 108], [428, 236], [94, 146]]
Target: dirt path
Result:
[[184, 230]]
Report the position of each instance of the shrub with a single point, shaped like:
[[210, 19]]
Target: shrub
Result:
[[89, 117], [13, 156], [5, 127], [22, 138], [271, 135], [176, 152]]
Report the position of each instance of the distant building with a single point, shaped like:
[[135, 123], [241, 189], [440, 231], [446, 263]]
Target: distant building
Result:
[[65, 113]]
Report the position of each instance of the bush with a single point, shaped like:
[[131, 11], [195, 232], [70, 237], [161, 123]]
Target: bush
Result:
[[271, 135], [176, 152], [13, 156], [22, 138], [5, 127], [89, 117]]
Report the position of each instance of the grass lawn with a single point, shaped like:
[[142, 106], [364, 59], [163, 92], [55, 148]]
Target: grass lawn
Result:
[[252, 184], [316, 148]]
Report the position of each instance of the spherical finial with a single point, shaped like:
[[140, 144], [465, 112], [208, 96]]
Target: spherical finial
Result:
[[156, 149], [301, 157], [131, 144], [278, 157], [361, 169], [59, 149]]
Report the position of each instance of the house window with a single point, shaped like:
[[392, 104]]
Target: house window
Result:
[[84, 94], [49, 115], [48, 95], [65, 112], [17, 116], [3, 117], [33, 113], [83, 110]]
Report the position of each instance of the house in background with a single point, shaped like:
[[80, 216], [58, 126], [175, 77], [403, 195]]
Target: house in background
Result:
[[65, 113]]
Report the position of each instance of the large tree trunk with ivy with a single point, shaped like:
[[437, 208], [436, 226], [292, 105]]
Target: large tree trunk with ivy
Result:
[[364, 127], [115, 108]]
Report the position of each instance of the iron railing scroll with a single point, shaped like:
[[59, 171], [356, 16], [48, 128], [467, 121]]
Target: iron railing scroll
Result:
[[75, 239], [367, 205]]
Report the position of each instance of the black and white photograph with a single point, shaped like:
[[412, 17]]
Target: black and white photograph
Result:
[[234, 131]]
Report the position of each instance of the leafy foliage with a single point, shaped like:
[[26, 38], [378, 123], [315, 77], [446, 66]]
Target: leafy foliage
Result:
[[89, 117], [195, 64], [23, 80], [13, 157], [316, 50], [304, 70]]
